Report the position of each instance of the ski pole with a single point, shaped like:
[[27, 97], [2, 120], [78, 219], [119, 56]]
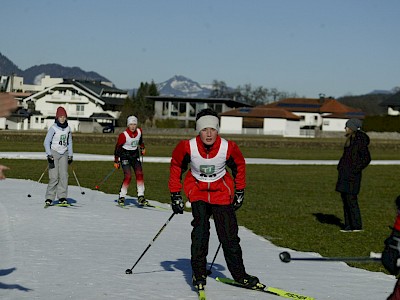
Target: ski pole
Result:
[[215, 256], [374, 257], [77, 181], [129, 271], [105, 179], [40, 178]]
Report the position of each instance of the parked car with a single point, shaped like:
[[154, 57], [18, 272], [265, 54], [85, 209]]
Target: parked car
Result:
[[108, 129]]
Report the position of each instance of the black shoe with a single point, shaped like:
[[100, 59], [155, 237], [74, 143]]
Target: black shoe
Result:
[[251, 282], [199, 282], [142, 201], [62, 201], [48, 202], [121, 201]]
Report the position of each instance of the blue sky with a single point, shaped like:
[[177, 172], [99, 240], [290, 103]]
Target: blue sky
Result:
[[341, 47]]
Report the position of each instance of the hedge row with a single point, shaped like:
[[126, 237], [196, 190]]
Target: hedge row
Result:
[[382, 123]]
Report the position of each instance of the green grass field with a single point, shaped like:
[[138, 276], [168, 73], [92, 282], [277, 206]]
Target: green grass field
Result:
[[292, 206]]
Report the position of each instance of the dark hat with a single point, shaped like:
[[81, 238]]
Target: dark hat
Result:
[[61, 112], [354, 124]]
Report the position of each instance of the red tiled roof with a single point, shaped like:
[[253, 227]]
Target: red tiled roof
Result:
[[320, 105], [333, 106]]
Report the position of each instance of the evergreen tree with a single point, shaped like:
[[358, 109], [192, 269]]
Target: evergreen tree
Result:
[[143, 107], [126, 111]]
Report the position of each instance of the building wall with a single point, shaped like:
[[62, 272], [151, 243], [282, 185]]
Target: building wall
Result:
[[333, 124], [309, 119], [274, 126], [292, 128], [72, 103], [231, 125]]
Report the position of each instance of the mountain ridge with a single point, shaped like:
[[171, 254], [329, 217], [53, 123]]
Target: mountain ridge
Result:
[[178, 85], [7, 68]]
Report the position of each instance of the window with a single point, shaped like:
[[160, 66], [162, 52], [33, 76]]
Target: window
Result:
[[216, 106], [174, 108], [165, 109], [182, 109], [192, 109], [80, 108]]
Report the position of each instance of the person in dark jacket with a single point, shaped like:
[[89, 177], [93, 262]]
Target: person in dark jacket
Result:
[[391, 253], [355, 158]]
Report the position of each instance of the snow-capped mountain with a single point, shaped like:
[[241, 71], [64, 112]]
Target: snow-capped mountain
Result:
[[181, 86]]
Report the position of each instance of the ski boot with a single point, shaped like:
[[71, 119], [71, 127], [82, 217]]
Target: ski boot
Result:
[[121, 201], [251, 282], [142, 201], [63, 202], [199, 282], [48, 202]]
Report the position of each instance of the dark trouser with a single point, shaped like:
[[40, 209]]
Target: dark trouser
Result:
[[227, 230], [352, 214]]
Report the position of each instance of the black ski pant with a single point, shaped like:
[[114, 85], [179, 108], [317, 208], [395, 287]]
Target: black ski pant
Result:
[[352, 214], [227, 230]]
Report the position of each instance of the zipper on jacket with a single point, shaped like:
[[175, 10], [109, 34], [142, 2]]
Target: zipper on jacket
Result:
[[208, 183]]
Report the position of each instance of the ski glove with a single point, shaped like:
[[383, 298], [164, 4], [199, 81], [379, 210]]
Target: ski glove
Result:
[[50, 159], [70, 160], [177, 203], [117, 164], [390, 254], [238, 200]]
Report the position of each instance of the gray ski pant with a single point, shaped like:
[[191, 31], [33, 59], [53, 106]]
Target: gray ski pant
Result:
[[58, 177]]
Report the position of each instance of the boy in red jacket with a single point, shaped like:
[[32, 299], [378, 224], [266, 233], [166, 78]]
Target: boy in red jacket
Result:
[[212, 191], [127, 154]]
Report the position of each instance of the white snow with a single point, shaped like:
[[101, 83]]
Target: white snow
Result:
[[251, 161], [82, 252]]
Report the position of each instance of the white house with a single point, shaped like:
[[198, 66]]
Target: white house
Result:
[[327, 114], [290, 117], [185, 109], [260, 120], [89, 105], [393, 104], [15, 84]]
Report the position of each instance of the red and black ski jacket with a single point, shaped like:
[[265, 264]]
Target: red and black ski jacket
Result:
[[218, 192]]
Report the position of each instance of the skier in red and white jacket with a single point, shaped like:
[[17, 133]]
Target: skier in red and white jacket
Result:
[[212, 191], [391, 253], [128, 149]]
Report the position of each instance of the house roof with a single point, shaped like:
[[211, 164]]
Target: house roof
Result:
[[261, 112], [95, 91], [229, 102], [110, 95], [393, 100], [321, 105], [334, 106], [101, 116]]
